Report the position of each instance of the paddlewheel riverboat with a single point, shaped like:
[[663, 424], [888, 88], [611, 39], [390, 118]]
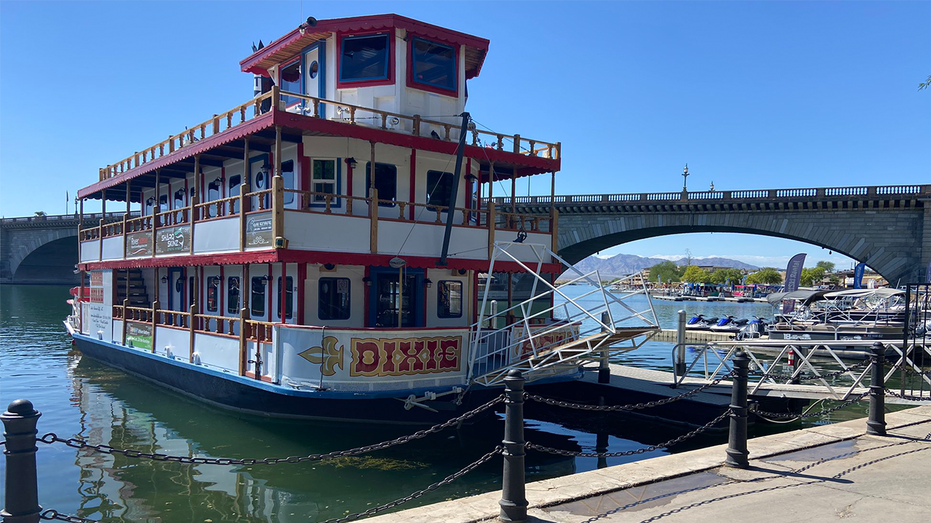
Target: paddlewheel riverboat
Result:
[[325, 250]]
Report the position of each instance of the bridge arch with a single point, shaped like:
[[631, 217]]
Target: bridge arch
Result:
[[50, 262], [887, 244]]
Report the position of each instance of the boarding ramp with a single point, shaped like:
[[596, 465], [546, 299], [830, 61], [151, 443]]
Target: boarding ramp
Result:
[[833, 370], [558, 328]]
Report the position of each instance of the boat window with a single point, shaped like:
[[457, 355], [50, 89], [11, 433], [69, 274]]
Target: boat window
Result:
[[333, 302], [179, 199], [386, 181], [289, 298], [232, 294], [323, 179], [364, 58], [449, 299], [291, 81], [234, 183], [433, 65], [287, 172], [439, 186], [163, 203], [191, 291], [213, 292], [258, 296]]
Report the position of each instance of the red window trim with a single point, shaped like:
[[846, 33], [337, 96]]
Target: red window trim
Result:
[[351, 84], [410, 68]]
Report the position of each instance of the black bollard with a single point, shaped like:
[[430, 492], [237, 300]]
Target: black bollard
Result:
[[19, 431], [737, 454], [876, 424], [513, 498]]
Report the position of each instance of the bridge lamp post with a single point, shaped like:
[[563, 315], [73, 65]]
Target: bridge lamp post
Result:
[[685, 178]]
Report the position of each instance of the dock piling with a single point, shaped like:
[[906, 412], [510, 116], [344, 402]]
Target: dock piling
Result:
[[679, 367], [604, 370], [513, 494], [876, 423], [19, 431], [737, 454]]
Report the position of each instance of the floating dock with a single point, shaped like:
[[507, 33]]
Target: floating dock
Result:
[[822, 473], [692, 336]]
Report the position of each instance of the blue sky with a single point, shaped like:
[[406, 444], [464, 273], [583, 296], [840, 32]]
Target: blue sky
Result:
[[750, 94]]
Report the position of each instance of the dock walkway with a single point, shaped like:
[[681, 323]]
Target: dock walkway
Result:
[[659, 383], [823, 473]]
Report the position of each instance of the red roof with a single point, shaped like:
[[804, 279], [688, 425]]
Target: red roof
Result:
[[292, 43]]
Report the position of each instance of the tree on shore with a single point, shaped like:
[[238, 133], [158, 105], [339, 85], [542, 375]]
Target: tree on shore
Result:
[[695, 274], [666, 272], [765, 276], [812, 276], [722, 276]]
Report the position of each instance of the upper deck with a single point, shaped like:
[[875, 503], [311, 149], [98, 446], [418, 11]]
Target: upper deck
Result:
[[271, 173]]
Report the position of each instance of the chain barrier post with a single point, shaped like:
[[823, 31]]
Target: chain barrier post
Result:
[[876, 423], [513, 499], [679, 367], [19, 431], [737, 454], [604, 371]]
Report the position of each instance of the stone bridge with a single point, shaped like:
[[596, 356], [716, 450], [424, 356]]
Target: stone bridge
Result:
[[42, 249], [888, 227]]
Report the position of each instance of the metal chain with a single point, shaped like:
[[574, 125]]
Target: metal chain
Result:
[[634, 406], [858, 366], [51, 437], [642, 450], [782, 415], [54, 514], [445, 481], [907, 397]]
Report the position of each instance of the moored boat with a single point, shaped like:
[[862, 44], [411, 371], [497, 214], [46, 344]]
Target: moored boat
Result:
[[325, 251]]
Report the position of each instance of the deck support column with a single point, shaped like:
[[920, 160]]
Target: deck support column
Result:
[[194, 200]]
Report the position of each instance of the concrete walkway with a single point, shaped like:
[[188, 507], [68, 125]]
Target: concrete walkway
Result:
[[824, 473]]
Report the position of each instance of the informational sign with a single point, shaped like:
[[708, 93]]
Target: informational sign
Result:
[[100, 306], [173, 240], [354, 359], [138, 244], [259, 230], [405, 356], [139, 335]]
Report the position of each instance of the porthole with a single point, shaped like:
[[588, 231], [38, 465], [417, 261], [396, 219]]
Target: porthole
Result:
[[312, 69]]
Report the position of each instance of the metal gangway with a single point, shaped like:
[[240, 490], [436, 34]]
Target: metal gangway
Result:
[[832, 369], [555, 330]]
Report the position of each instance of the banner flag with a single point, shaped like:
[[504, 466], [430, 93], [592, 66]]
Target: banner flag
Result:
[[793, 278], [858, 275]]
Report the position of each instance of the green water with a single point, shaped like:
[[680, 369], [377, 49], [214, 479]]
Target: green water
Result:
[[81, 398]]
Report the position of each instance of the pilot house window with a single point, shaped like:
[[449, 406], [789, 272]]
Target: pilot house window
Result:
[[433, 65], [364, 58]]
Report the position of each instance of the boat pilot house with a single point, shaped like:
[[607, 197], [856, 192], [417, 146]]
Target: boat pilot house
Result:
[[332, 238]]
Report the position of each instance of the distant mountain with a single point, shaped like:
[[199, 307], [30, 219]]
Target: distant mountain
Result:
[[624, 264]]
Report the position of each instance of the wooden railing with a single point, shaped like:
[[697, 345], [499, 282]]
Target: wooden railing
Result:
[[219, 123], [387, 120], [345, 112], [211, 324]]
